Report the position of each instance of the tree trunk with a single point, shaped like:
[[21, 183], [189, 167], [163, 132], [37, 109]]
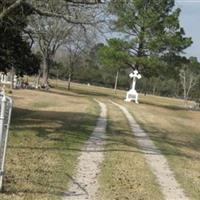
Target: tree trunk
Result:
[[154, 89], [12, 77], [145, 89], [177, 92], [38, 80], [56, 76], [45, 72], [184, 91], [116, 81], [185, 96], [69, 82]]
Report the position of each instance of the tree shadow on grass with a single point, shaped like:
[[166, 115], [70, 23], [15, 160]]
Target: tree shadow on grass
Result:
[[37, 140], [174, 146], [37, 134], [46, 123], [74, 92], [171, 107], [90, 93], [62, 92], [55, 189], [77, 127]]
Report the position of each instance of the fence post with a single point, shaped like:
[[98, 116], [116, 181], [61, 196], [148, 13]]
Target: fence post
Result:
[[3, 105]]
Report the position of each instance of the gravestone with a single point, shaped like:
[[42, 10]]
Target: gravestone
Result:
[[132, 93], [5, 79]]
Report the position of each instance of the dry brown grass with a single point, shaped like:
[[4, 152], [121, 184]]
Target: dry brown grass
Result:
[[125, 174], [177, 133], [96, 91], [49, 129], [47, 133], [174, 129]]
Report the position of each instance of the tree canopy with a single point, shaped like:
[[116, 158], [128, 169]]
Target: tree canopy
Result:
[[151, 28], [15, 50], [16, 40]]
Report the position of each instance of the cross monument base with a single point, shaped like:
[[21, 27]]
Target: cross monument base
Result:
[[132, 95]]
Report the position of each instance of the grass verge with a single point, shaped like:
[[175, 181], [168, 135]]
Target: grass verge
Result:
[[44, 143]]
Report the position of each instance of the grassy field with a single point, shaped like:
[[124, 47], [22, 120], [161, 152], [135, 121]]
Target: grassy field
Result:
[[49, 129], [47, 133], [174, 129]]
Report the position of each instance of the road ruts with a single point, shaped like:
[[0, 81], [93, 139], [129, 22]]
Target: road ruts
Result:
[[157, 162], [84, 185]]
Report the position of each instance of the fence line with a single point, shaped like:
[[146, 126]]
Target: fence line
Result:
[[5, 117]]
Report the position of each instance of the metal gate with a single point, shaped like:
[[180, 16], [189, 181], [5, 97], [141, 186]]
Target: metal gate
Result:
[[5, 115]]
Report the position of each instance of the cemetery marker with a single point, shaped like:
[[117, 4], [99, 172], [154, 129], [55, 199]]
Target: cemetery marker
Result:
[[132, 93]]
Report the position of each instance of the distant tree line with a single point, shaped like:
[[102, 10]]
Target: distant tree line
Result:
[[164, 80]]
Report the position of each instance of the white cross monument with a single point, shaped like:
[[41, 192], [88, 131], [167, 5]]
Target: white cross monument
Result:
[[132, 93]]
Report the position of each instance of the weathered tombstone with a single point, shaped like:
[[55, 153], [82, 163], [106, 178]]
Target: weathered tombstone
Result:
[[15, 82], [5, 78], [2, 77], [5, 116], [132, 93]]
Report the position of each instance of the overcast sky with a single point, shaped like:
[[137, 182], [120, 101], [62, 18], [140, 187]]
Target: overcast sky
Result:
[[190, 21]]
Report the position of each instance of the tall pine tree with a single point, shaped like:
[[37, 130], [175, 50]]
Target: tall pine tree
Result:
[[151, 27]]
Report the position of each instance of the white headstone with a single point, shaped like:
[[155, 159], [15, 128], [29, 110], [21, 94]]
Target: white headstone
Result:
[[15, 82], [132, 93], [2, 77]]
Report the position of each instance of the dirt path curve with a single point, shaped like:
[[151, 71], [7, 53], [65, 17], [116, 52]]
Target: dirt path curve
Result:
[[158, 163], [84, 185]]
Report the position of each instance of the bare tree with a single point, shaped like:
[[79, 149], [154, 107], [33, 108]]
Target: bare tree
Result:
[[78, 45], [53, 32], [50, 34], [188, 80], [51, 22], [39, 7]]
